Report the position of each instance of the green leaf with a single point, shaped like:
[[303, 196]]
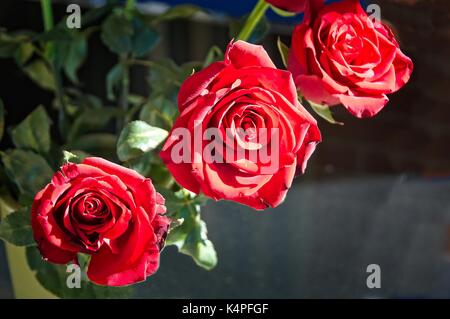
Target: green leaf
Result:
[[29, 171], [283, 13], [41, 74], [324, 111], [166, 78], [178, 12], [54, 278], [159, 112], [23, 53], [214, 54], [98, 144], [123, 34], [138, 137], [284, 51], [74, 54], [191, 237], [8, 45], [113, 80], [144, 38], [2, 119], [16, 228], [92, 120], [116, 33], [33, 133]]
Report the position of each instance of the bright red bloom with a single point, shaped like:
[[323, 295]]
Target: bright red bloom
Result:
[[245, 92], [107, 211], [339, 55]]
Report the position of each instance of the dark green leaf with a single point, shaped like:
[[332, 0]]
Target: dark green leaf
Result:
[[166, 78], [33, 133], [178, 12], [8, 45], [96, 14], [117, 31], [284, 51], [113, 80], [98, 144], [139, 137], [92, 120], [41, 74], [54, 278], [191, 237], [75, 55], [214, 54], [144, 38], [16, 228], [29, 171], [159, 112], [2, 119], [23, 53], [324, 111], [123, 34]]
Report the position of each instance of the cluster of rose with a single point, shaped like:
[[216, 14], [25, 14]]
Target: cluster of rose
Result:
[[338, 55]]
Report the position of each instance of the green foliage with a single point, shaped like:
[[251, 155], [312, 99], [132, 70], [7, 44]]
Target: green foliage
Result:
[[58, 283], [2, 119], [214, 54], [159, 112], [284, 52], [29, 171], [41, 74], [33, 133], [137, 138], [16, 228], [324, 112], [191, 235], [123, 34], [114, 79], [52, 59], [178, 12]]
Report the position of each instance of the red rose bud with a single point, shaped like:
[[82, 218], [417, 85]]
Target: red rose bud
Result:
[[242, 134], [107, 211], [340, 55]]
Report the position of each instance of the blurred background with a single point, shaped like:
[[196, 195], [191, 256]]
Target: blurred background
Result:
[[376, 192]]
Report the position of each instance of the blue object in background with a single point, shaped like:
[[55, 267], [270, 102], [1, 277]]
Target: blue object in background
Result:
[[233, 8]]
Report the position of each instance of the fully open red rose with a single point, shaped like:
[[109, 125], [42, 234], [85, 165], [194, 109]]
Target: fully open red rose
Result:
[[239, 98], [339, 55], [104, 210], [289, 5]]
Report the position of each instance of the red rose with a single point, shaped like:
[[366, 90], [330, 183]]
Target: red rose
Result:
[[289, 5], [239, 98], [339, 55], [104, 210]]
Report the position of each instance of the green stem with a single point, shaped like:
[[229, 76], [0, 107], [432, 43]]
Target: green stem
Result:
[[123, 99], [129, 6], [252, 21], [47, 14]]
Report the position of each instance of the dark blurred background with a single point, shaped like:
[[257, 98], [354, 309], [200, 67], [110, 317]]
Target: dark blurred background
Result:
[[376, 192]]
